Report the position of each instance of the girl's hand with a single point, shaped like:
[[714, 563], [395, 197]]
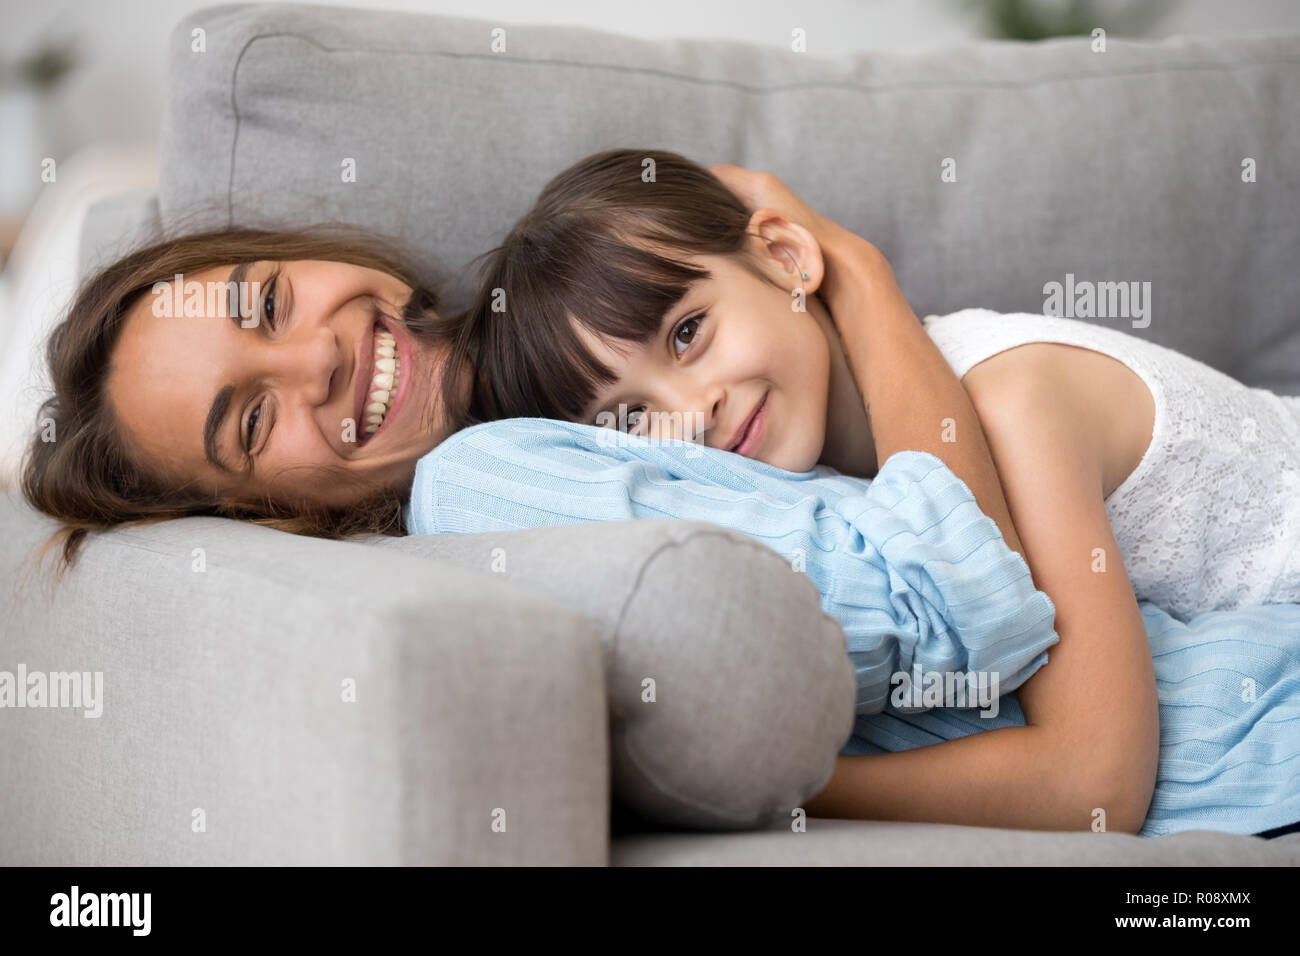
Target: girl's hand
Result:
[[759, 190]]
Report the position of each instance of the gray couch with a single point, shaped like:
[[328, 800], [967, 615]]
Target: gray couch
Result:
[[481, 699]]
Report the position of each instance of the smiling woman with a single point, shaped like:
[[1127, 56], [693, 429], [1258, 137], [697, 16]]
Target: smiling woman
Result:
[[300, 395]]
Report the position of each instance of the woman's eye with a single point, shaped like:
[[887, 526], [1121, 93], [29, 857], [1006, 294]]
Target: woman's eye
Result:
[[685, 332], [253, 419], [268, 304]]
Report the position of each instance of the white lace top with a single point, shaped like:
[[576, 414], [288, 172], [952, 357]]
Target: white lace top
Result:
[[1210, 517]]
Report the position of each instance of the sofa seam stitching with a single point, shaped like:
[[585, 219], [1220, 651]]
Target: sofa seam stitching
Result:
[[1231, 66], [234, 139]]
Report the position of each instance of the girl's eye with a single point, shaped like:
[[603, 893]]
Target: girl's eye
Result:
[[685, 333], [626, 419]]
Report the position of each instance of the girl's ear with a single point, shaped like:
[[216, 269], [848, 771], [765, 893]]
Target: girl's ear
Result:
[[786, 250]]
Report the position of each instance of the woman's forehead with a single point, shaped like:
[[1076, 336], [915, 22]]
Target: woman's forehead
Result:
[[163, 373]]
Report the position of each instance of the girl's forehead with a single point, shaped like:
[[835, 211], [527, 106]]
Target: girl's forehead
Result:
[[609, 351]]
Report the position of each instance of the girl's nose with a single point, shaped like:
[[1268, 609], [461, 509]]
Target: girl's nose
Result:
[[693, 414], [713, 399]]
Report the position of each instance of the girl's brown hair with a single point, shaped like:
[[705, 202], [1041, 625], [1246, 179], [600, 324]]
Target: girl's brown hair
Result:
[[604, 246], [80, 469]]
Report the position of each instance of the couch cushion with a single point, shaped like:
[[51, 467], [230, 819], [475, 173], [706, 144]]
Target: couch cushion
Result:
[[1115, 166], [876, 843], [753, 691]]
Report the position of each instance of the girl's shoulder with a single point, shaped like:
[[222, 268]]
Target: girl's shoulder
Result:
[[1107, 403], [1094, 364]]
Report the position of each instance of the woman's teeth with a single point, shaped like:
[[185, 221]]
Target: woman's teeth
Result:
[[384, 384]]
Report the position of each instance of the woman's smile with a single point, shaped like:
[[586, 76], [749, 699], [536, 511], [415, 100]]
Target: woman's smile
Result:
[[380, 385]]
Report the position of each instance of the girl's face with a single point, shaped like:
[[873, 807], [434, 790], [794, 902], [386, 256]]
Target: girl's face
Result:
[[733, 366], [204, 398]]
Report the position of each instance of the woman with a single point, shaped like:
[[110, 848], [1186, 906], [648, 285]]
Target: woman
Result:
[[158, 413], [262, 417]]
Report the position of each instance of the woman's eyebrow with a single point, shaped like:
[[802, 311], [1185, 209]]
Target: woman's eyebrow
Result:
[[212, 428]]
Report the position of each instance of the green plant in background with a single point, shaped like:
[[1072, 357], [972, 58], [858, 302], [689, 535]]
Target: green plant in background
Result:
[[43, 68], [1041, 19]]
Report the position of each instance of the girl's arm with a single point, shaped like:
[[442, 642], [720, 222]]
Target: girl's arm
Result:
[[1091, 740], [913, 398]]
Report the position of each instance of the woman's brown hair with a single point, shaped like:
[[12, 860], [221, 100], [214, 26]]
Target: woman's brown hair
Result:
[[79, 468], [604, 247]]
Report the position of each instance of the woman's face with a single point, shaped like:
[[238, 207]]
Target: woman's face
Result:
[[236, 399], [743, 370]]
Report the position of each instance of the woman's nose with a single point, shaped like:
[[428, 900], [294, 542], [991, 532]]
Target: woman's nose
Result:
[[308, 362]]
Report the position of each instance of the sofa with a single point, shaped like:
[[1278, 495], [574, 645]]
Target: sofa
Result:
[[568, 696]]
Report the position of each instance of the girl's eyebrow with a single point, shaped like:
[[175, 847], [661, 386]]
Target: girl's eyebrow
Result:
[[603, 404]]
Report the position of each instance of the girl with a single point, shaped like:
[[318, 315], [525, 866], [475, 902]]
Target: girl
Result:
[[638, 303], [672, 296]]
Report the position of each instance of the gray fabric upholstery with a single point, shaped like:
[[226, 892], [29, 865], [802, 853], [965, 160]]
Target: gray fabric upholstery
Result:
[[223, 687], [877, 843], [224, 692], [115, 225], [753, 687]]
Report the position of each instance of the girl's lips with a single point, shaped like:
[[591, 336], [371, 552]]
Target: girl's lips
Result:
[[753, 431]]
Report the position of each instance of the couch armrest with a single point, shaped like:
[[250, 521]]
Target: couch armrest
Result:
[[753, 688], [269, 698]]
